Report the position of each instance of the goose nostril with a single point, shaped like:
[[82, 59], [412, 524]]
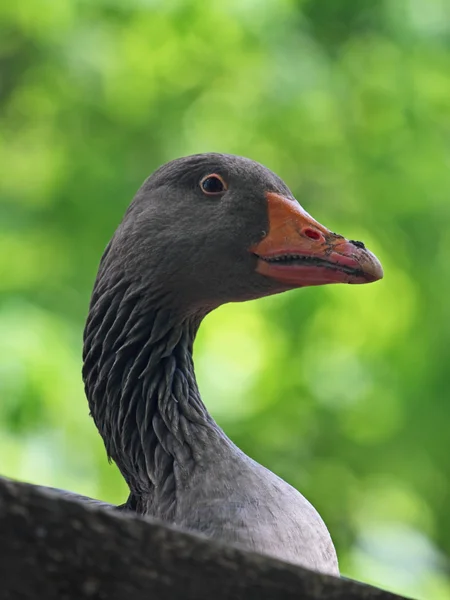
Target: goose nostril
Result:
[[313, 234]]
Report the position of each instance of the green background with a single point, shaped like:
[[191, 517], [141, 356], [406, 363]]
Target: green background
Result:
[[341, 390]]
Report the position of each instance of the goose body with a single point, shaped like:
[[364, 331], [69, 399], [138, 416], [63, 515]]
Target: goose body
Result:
[[252, 507], [202, 231]]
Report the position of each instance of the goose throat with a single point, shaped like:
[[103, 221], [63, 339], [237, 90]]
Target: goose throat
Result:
[[142, 392]]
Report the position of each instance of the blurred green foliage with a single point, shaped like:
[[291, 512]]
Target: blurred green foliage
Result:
[[343, 391]]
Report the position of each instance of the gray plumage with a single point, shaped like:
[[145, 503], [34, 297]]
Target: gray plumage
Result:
[[175, 257]]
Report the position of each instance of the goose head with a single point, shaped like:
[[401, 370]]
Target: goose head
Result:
[[212, 228]]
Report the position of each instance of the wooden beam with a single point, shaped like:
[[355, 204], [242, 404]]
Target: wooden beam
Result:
[[55, 548]]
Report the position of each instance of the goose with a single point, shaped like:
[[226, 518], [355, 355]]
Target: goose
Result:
[[202, 231]]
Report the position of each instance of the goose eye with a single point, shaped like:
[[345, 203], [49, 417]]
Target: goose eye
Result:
[[213, 184]]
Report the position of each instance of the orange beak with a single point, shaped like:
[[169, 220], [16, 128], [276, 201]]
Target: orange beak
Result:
[[298, 251]]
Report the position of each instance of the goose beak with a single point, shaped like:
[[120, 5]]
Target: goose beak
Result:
[[298, 251]]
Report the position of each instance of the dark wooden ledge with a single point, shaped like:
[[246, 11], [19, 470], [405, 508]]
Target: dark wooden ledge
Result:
[[52, 547]]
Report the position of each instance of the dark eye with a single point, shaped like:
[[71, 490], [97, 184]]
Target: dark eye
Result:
[[213, 184]]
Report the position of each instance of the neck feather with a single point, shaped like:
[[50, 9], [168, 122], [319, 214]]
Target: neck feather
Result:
[[140, 383]]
